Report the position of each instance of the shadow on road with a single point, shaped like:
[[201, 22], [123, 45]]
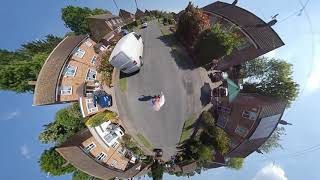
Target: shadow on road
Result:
[[205, 94], [178, 53], [145, 98]]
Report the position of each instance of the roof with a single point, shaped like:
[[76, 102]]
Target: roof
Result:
[[189, 168], [48, 78], [102, 16], [125, 13], [258, 31]]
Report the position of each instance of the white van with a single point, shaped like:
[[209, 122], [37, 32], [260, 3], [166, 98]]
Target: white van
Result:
[[127, 54]]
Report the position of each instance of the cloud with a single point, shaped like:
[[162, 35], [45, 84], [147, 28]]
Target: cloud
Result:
[[25, 151], [313, 82], [11, 115], [271, 172]]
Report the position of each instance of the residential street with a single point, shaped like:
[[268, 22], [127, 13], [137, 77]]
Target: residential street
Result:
[[181, 88]]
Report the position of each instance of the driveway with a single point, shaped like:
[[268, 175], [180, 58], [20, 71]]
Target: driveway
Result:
[[181, 88]]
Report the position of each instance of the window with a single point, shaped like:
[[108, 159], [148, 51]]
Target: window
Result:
[[249, 115], [94, 59], [120, 20], [122, 150], [90, 106], [113, 22], [70, 70], [101, 156], [90, 147], [114, 145], [222, 121], [80, 53], [65, 90], [232, 144], [114, 163], [137, 36], [92, 75], [241, 131], [109, 24], [88, 43]]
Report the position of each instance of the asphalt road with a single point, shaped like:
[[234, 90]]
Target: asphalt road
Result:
[[181, 88]]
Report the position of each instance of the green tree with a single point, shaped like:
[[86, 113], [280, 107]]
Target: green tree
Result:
[[214, 43], [67, 122], [270, 77], [79, 175], [207, 120], [235, 163], [273, 141], [23, 65], [221, 140], [53, 163], [75, 18], [157, 170], [191, 23], [205, 153]]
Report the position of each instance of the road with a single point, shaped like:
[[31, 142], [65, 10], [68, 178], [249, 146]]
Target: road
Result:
[[181, 88]]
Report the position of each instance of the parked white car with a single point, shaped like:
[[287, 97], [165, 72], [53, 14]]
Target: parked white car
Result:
[[127, 54], [144, 25]]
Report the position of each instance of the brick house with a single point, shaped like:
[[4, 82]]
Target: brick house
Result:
[[139, 14], [86, 153], [126, 16], [249, 121], [104, 26], [69, 74], [258, 36]]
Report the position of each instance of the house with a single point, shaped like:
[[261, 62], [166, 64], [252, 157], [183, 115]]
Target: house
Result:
[[258, 36], [139, 14], [126, 16], [249, 120], [104, 26], [147, 13], [87, 154], [69, 75]]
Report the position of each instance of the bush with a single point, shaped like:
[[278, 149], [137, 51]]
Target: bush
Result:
[[207, 120], [105, 68], [235, 163], [100, 118], [215, 43], [221, 141], [129, 144]]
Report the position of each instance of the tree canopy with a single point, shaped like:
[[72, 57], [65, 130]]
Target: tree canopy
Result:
[[157, 170], [53, 163], [23, 65], [79, 175], [67, 122], [235, 163], [273, 141], [75, 18], [270, 77], [191, 23], [213, 43]]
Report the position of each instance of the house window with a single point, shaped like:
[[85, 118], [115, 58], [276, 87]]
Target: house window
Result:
[[114, 163], [222, 121], [113, 22], [114, 145], [91, 75], [101, 156], [80, 53], [122, 150], [70, 71], [241, 131], [90, 147], [249, 115], [65, 90], [90, 106], [120, 20], [94, 59], [109, 24], [88, 43]]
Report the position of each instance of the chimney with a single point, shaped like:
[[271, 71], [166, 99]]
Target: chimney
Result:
[[283, 122], [234, 2]]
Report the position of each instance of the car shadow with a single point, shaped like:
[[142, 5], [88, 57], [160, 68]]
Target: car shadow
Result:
[[146, 98], [125, 75]]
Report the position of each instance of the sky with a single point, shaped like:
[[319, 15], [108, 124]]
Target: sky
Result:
[[21, 122]]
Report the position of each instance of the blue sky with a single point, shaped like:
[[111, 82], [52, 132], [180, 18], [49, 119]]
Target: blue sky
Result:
[[33, 19]]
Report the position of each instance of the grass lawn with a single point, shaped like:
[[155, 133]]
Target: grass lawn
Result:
[[123, 84], [145, 142], [187, 129]]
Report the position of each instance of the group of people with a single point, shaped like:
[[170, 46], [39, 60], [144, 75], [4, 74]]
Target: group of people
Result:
[[158, 101]]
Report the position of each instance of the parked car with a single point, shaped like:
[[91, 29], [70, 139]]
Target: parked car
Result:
[[144, 25], [127, 54]]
